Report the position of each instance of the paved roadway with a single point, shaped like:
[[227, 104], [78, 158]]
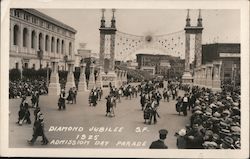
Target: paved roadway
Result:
[[128, 120]]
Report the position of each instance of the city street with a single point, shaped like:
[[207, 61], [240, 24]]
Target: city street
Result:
[[72, 128]]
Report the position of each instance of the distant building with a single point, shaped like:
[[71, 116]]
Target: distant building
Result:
[[228, 54], [82, 53], [36, 37], [165, 65]]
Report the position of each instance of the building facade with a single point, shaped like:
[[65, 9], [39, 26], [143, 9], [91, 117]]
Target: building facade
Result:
[[228, 54], [161, 64], [36, 38]]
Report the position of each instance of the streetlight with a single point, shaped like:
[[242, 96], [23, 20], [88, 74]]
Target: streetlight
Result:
[[65, 60], [40, 56]]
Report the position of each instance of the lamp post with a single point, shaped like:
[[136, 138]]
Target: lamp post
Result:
[[40, 56], [65, 58]]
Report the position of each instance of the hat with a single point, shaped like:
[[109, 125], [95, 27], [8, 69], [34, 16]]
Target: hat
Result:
[[225, 132], [212, 105], [197, 102], [235, 103], [198, 112], [63, 90], [209, 144], [228, 140], [182, 132], [226, 112], [197, 108], [216, 136], [235, 128], [209, 132], [223, 124], [216, 114], [163, 132]]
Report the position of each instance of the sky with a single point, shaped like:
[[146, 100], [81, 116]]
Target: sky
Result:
[[221, 26]]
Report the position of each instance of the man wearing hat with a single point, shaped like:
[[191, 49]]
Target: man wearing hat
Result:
[[61, 100], [38, 130], [159, 144]]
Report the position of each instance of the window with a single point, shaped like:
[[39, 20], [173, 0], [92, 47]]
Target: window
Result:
[[33, 39], [16, 35], [70, 48], [57, 45], [34, 66], [16, 13], [25, 65], [62, 51], [25, 37], [47, 43], [52, 44], [17, 65], [40, 47]]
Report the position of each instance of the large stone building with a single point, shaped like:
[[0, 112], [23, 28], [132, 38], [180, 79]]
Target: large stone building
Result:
[[35, 38], [161, 64], [228, 54]]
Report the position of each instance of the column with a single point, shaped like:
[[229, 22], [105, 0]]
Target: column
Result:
[[200, 76], [29, 40], [49, 47], [91, 83], [187, 77], [125, 77], [70, 77], [203, 76], [82, 86], [99, 82], [216, 82], [198, 49], [20, 40], [54, 85], [209, 76], [112, 52], [102, 51], [119, 78], [187, 52]]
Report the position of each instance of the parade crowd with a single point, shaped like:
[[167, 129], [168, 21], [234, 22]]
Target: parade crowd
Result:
[[214, 122]]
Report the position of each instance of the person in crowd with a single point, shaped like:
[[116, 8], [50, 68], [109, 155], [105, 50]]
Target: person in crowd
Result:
[[185, 104], [100, 93], [147, 111], [178, 105], [181, 142], [74, 90], [143, 100], [194, 138], [154, 113], [160, 144], [24, 113], [38, 130], [110, 105], [93, 96], [70, 96], [61, 100]]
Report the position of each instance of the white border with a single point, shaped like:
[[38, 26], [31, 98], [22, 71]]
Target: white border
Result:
[[129, 4]]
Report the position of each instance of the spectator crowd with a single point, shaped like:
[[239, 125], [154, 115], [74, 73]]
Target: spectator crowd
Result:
[[26, 87]]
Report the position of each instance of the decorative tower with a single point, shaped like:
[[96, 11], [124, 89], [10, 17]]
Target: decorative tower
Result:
[[197, 31], [188, 19], [107, 33]]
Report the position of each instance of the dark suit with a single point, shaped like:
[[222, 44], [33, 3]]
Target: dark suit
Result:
[[158, 145]]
